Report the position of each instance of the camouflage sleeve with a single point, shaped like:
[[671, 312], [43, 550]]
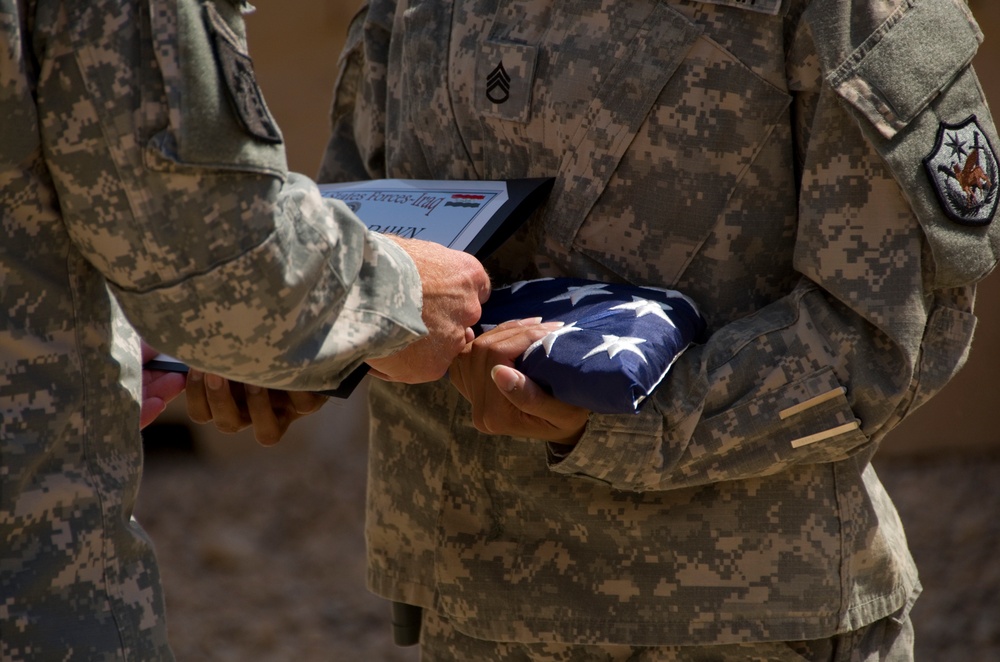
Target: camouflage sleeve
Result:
[[217, 254], [882, 316], [357, 115], [889, 118]]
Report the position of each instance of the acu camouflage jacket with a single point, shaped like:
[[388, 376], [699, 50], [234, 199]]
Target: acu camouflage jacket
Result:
[[141, 175], [806, 170]]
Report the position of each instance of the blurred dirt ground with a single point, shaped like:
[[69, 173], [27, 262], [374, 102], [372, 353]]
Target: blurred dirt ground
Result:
[[262, 552]]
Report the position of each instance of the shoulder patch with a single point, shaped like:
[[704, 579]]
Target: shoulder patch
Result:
[[241, 84], [962, 169]]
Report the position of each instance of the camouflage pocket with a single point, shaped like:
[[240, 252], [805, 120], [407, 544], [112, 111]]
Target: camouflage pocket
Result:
[[902, 66], [688, 156], [806, 421]]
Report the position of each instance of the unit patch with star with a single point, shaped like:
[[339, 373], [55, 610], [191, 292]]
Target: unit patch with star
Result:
[[963, 172]]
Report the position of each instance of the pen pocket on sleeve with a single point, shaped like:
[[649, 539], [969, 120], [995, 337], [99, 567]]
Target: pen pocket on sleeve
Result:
[[217, 116]]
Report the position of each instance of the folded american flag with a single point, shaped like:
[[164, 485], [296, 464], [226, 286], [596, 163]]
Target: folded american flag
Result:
[[618, 343]]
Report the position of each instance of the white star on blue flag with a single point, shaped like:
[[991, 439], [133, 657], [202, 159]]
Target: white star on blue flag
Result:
[[614, 345], [617, 345]]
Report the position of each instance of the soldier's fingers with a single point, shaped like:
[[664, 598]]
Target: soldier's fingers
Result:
[[525, 321], [306, 402], [514, 327], [158, 389], [148, 353], [225, 399], [267, 420], [197, 401], [556, 420], [511, 339]]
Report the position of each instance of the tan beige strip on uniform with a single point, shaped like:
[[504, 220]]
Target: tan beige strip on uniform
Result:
[[811, 402], [826, 434]]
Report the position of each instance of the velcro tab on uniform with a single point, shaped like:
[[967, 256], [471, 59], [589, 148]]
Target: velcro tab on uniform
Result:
[[505, 74], [241, 83], [901, 67]]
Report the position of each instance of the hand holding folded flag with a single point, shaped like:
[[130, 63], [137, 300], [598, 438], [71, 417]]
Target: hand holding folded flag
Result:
[[618, 343]]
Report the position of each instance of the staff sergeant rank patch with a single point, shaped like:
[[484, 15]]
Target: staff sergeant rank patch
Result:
[[963, 172]]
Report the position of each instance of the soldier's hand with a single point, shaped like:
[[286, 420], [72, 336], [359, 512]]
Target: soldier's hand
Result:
[[233, 406], [455, 286], [503, 400], [158, 388]]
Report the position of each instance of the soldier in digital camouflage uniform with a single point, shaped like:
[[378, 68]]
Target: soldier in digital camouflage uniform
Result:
[[141, 175], [820, 177]]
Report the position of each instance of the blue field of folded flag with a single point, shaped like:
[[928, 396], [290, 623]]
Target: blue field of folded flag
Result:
[[617, 345]]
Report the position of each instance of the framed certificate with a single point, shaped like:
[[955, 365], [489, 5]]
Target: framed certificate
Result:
[[471, 216]]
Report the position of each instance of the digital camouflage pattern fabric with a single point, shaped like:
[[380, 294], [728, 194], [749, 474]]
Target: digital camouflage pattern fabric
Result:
[[143, 186], [763, 158]]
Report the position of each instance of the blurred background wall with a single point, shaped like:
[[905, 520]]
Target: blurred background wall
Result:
[[295, 47]]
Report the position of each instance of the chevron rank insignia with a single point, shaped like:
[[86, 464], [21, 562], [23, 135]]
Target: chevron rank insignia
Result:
[[963, 172]]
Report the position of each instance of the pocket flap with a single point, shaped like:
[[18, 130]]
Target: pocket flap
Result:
[[504, 77], [900, 68], [217, 116], [803, 422]]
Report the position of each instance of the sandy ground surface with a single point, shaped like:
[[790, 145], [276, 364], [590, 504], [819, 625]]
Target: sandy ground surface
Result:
[[262, 555], [263, 558]]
